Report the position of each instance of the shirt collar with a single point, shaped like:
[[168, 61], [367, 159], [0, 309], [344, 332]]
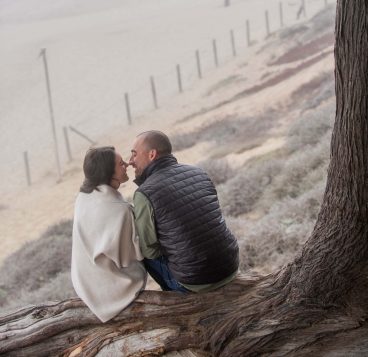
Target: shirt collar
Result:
[[155, 165]]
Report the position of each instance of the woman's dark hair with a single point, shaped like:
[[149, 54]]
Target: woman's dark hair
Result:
[[98, 168]]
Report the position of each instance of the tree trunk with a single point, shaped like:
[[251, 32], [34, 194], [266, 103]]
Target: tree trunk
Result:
[[330, 276], [335, 256], [316, 304]]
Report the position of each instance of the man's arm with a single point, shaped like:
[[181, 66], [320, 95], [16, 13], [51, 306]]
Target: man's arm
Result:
[[145, 224]]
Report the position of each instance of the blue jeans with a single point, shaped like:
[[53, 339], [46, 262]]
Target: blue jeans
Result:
[[159, 270]]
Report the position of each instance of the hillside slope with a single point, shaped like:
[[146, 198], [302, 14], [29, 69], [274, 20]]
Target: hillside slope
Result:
[[260, 127]]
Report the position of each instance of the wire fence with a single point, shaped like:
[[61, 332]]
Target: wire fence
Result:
[[123, 104]]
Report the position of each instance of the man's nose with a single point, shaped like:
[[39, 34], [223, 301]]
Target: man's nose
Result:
[[131, 161]]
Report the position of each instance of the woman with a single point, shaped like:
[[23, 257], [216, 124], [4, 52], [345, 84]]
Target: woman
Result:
[[106, 270]]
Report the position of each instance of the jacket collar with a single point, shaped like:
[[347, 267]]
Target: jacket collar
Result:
[[154, 166]]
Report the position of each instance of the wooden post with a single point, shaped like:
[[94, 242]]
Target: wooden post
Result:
[[198, 59], [84, 136], [281, 15], [326, 2], [233, 42], [267, 24], [247, 25], [127, 107], [214, 46], [67, 143], [227, 3], [154, 95], [302, 10], [43, 54], [26, 164], [178, 73]]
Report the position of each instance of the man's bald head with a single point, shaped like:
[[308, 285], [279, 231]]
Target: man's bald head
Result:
[[156, 140]]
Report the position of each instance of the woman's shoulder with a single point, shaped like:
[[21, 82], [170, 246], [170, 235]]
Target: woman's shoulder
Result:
[[105, 195], [109, 194]]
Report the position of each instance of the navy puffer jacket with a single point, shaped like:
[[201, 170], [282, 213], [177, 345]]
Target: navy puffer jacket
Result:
[[190, 227]]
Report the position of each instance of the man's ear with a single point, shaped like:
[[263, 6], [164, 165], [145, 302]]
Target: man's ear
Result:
[[152, 154]]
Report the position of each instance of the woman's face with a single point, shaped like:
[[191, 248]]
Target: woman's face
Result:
[[120, 172]]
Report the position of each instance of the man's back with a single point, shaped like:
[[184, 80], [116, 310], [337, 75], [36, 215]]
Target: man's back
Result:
[[189, 224]]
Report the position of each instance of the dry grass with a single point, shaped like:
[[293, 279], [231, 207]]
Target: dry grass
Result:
[[304, 34], [224, 83], [36, 266], [310, 48], [283, 211], [275, 238], [218, 170], [240, 194], [230, 133], [272, 203]]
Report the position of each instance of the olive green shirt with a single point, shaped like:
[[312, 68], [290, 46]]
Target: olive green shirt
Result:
[[149, 244]]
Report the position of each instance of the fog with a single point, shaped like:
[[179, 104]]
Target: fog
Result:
[[99, 50]]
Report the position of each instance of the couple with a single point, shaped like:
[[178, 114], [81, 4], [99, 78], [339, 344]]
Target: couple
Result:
[[176, 232]]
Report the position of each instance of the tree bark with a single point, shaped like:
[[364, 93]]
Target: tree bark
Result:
[[319, 302], [329, 277], [335, 256], [160, 322], [155, 323]]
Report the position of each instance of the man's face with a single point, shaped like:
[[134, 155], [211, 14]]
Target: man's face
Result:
[[141, 157]]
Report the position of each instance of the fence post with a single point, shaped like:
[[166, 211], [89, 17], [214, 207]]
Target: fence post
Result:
[[247, 25], [281, 15], [214, 46], [178, 73], [302, 10], [154, 95], [127, 107], [84, 136], [198, 60], [26, 164], [267, 24], [51, 110], [67, 143], [326, 3], [233, 42], [227, 3]]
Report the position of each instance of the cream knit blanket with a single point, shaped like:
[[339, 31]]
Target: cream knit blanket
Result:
[[106, 270]]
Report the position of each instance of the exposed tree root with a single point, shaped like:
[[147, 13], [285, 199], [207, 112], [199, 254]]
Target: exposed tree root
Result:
[[247, 317]]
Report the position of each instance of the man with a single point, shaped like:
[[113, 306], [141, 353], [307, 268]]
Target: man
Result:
[[183, 235]]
